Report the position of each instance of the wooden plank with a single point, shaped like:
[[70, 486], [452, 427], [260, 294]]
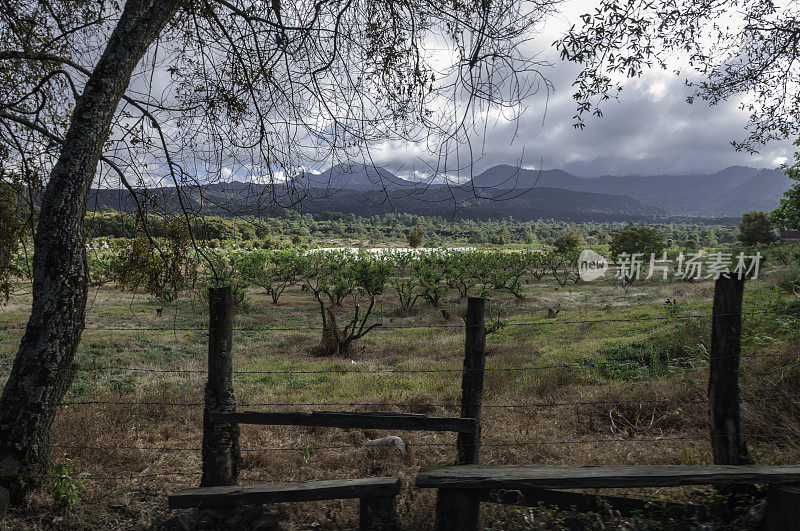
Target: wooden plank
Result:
[[585, 502], [300, 491], [378, 420], [579, 477]]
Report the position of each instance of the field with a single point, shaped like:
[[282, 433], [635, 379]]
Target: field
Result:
[[618, 377]]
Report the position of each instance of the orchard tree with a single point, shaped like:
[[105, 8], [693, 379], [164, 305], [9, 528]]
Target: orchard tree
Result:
[[755, 229], [163, 270], [356, 280], [272, 270], [405, 283], [188, 92]]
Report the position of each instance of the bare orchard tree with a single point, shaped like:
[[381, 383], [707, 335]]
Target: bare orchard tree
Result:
[[748, 49], [186, 92]]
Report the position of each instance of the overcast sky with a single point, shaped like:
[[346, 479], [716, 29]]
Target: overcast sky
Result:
[[651, 130]]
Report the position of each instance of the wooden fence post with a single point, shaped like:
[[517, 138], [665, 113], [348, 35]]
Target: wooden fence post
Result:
[[472, 379], [459, 509], [221, 454], [723, 384]]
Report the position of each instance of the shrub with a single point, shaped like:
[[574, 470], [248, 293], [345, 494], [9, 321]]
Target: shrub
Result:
[[65, 488], [415, 237]]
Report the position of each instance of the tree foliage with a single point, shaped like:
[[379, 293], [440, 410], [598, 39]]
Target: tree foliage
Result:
[[787, 215], [568, 242], [415, 237], [755, 229], [636, 239], [162, 270], [12, 222]]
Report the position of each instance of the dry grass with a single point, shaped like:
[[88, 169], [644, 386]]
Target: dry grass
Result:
[[657, 421]]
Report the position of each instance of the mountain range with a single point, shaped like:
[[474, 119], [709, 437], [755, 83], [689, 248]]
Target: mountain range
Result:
[[498, 192], [728, 193]]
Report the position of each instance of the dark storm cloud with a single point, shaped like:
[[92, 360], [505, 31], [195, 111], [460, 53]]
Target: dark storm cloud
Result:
[[650, 130]]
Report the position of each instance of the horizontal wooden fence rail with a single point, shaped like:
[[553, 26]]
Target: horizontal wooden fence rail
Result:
[[600, 477], [300, 491], [459, 486], [370, 420]]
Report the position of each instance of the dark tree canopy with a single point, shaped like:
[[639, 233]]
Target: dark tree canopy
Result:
[[755, 228], [635, 239], [745, 48]]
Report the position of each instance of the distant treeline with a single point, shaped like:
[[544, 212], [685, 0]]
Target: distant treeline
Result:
[[298, 227]]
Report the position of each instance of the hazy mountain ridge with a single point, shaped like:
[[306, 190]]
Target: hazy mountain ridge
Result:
[[729, 192], [498, 192]]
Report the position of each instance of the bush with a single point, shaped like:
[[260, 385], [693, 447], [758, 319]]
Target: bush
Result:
[[789, 279], [415, 237], [65, 488]]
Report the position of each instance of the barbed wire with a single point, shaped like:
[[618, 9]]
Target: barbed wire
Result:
[[308, 448], [532, 405], [548, 322], [388, 370], [138, 476]]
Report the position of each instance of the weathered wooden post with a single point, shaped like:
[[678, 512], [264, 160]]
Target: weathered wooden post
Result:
[[221, 454], [727, 441], [378, 514], [459, 509], [783, 508], [472, 379]]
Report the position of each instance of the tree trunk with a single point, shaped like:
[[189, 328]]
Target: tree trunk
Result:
[[43, 368]]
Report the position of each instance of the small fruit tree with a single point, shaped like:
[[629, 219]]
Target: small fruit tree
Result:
[[431, 273], [405, 284], [353, 281], [271, 270]]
